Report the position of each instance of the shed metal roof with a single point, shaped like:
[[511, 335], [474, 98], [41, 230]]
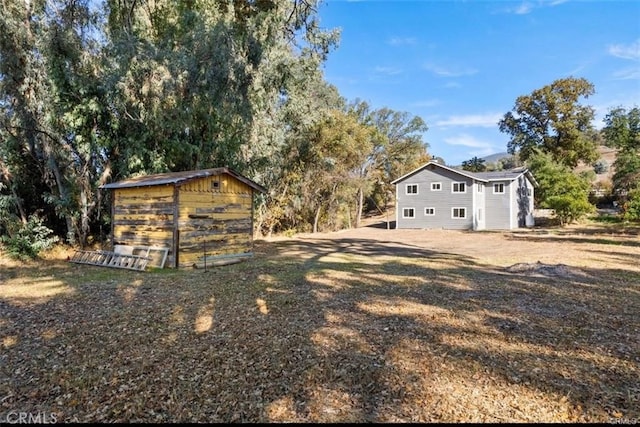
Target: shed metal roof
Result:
[[177, 178]]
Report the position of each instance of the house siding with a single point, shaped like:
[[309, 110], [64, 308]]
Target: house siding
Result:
[[522, 201], [442, 201], [498, 206], [480, 216]]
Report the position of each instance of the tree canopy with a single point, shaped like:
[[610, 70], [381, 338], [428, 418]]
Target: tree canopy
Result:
[[551, 120]]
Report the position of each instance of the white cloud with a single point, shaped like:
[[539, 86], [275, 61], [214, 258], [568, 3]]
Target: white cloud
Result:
[[388, 71], [476, 120], [449, 72], [527, 7], [627, 74], [478, 148], [399, 41], [631, 51], [523, 9]]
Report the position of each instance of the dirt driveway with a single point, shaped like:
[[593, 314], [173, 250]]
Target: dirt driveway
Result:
[[577, 245]]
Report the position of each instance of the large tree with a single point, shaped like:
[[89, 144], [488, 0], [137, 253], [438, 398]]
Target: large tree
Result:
[[474, 164], [551, 120], [622, 131]]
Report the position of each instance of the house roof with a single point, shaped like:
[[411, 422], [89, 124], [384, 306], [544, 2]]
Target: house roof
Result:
[[509, 175], [177, 178]]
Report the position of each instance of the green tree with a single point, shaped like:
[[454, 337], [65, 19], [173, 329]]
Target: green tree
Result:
[[622, 131], [560, 189], [551, 120], [475, 164]]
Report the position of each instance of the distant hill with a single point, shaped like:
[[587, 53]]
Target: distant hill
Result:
[[493, 158]]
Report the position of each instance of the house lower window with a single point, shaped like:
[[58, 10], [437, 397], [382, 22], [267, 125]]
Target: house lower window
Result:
[[408, 213], [458, 212], [429, 211]]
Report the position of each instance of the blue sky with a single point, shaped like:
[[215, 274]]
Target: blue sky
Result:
[[460, 65]]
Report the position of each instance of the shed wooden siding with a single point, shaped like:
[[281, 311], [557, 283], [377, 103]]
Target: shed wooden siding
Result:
[[443, 201], [215, 220], [143, 216]]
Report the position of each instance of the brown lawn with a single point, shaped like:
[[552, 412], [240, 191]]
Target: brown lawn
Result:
[[366, 325]]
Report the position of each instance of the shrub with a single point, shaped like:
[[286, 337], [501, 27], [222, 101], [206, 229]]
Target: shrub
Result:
[[29, 239], [631, 207], [600, 166]]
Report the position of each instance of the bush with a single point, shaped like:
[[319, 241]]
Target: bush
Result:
[[29, 239], [601, 166], [631, 208]]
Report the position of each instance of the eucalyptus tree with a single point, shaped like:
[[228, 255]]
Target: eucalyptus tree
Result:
[[200, 83], [551, 120], [51, 104]]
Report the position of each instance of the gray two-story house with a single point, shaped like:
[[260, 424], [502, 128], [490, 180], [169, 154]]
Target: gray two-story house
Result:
[[438, 196]]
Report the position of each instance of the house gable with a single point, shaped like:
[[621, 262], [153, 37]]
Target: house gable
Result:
[[444, 197]]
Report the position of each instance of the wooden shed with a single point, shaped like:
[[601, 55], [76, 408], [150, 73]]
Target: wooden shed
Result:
[[201, 216]]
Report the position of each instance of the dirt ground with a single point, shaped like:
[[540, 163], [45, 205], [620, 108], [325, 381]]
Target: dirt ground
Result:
[[362, 325], [578, 245]]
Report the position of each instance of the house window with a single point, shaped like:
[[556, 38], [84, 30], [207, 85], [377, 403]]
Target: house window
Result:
[[498, 188], [429, 211], [480, 214], [408, 213], [458, 187], [436, 186], [458, 212], [480, 188], [412, 188], [528, 192]]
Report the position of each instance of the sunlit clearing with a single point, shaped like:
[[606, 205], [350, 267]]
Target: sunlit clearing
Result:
[[204, 319], [128, 291], [401, 307], [49, 333], [334, 406], [267, 278], [346, 258], [42, 287], [280, 291], [281, 410], [262, 306], [9, 341], [177, 316]]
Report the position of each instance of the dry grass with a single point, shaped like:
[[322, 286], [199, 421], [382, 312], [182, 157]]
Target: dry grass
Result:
[[369, 325]]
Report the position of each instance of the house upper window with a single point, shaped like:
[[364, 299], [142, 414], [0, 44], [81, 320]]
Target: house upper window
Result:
[[408, 213], [458, 212], [458, 187], [436, 186], [480, 188], [429, 211], [498, 188], [412, 188]]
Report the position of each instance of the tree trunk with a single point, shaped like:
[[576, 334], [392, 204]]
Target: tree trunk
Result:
[[317, 219], [359, 206]]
